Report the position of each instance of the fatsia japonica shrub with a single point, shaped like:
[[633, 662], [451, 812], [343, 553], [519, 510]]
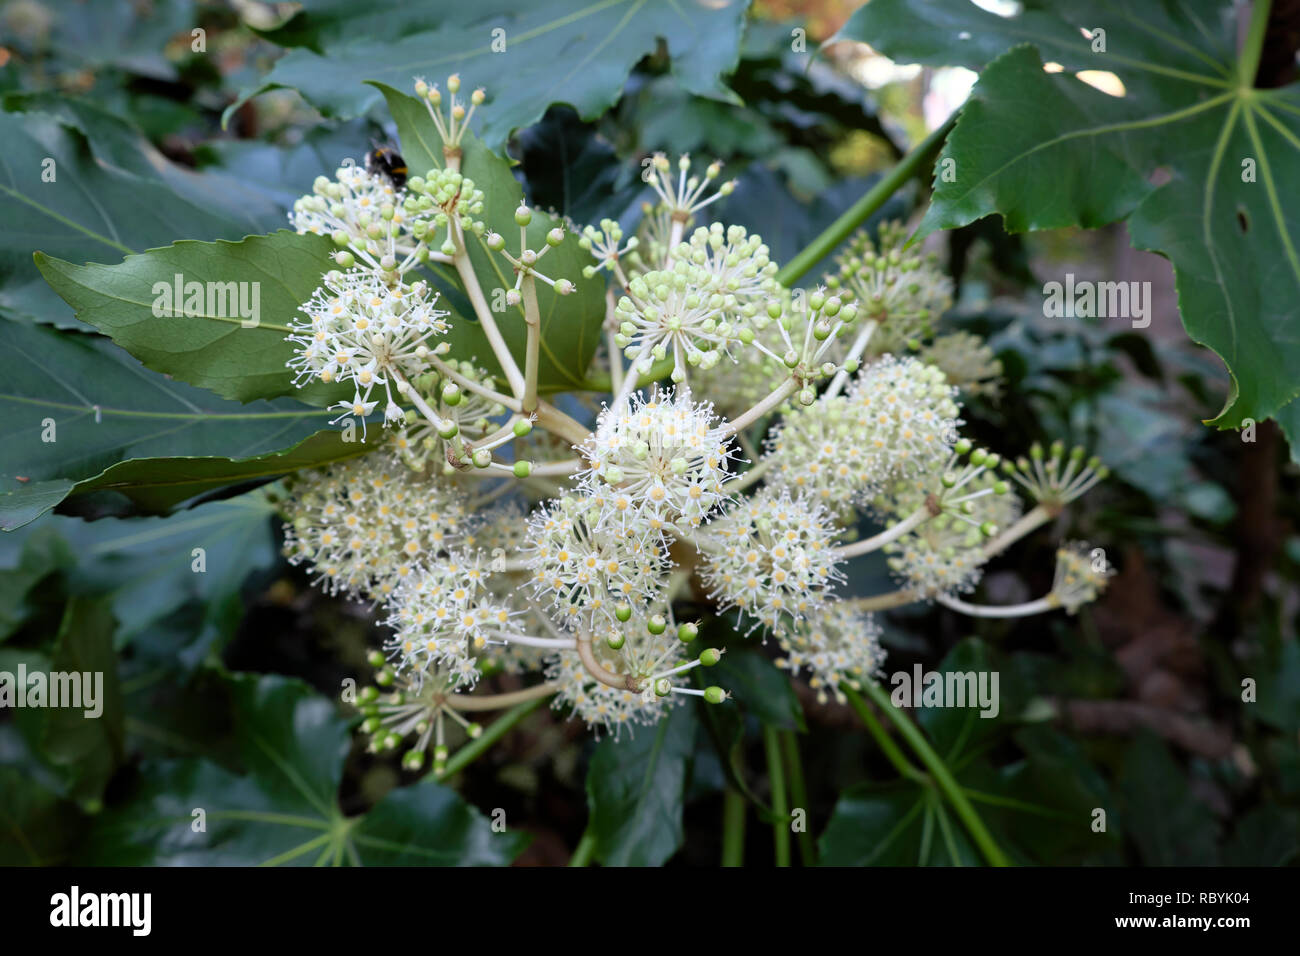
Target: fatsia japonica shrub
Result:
[[496, 525]]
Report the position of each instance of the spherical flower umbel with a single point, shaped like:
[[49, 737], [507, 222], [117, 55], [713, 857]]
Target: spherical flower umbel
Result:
[[656, 462], [819, 451], [651, 658], [362, 214], [362, 330], [366, 524], [835, 645], [445, 615], [771, 556], [675, 312], [899, 289], [591, 578], [1082, 573], [911, 414], [736, 265]]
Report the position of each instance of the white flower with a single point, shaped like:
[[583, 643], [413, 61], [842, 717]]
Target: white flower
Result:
[[362, 330], [911, 414], [820, 451], [445, 615], [656, 463], [365, 524], [835, 645], [591, 577], [771, 556], [1082, 573], [675, 312], [363, 214]]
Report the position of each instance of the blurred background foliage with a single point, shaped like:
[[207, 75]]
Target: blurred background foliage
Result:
[[1133, 706]]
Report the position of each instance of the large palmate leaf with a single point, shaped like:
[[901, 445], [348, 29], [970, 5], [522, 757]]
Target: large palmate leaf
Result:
[[148, 568], [83, 185], [284, 809], [1046, 150], [527, 55], [635, 790], [211, 344], [108, 419], [571, 323]]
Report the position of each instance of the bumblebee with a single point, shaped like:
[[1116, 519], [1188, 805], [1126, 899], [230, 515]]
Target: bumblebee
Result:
[[386, 161]]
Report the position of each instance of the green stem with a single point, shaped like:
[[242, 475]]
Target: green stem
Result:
[[886, 743], [733, 827], [857, 214], [491, 734], [798, 794], [1248, 64], [585, 848], [941, 774], [780, 807]]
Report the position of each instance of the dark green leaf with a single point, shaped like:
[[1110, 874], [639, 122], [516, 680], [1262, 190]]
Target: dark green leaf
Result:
[[1047, 151], [635, 789], [285, 810], [547, 52], [760, 688], [100, 204], [107, 410], [1168, 824]]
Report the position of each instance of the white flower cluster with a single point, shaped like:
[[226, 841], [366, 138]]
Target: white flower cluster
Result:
[[772, 558], [737, 490], [656, 463]]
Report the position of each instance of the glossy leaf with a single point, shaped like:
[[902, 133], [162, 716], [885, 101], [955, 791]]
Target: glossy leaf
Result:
[[284, 809], [109, 415], [635, 791], [545, 52]]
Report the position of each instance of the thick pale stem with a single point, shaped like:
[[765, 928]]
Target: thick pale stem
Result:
[[469, 279], [892, 533], [1041, 606], [779, 395], [533, 318], [882, 602], [599, 671], [477, 702], [558, 423], [855, 352]]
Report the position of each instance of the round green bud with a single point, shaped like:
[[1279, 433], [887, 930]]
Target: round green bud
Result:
[[663, 687], [522, 427], [715, 694], [555, 236], [656, 624], [623, 612], [615, 640], [710, 656], [481, 458], [688, 632], [522, 216], [523, 469]]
